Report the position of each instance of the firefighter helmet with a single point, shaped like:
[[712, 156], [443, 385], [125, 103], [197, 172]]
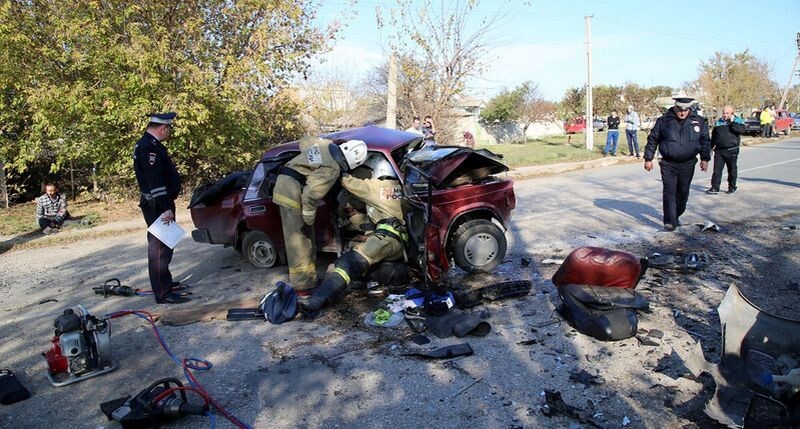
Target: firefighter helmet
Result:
[[381, 167], [355, 152]]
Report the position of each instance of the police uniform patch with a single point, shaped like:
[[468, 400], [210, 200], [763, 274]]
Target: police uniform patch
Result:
[[152, 158], [696, 129], [314, 155]]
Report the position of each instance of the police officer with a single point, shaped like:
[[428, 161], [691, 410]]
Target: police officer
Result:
[[301, 183], [159, 183], [382, 195], [679, 135]]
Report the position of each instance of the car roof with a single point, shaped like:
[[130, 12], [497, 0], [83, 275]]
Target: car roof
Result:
[[376, 138]]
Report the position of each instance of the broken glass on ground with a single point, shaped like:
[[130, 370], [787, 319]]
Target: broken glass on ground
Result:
[[555, 406]]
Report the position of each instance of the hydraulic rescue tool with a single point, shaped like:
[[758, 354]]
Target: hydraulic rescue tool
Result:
[[159, 403]]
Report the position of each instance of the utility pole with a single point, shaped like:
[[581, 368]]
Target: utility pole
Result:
[[589, 130], [391, 101], [794, 67]]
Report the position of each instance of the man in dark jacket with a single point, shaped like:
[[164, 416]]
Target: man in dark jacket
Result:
[[613, 134], [679, 135], [725, 140], [159, 183]]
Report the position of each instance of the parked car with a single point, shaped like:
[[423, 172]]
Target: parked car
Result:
[[796, 123], [783, 123], [578, 125], [455, 205], [646, 124]]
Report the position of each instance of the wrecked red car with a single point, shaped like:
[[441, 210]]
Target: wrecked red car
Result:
[[455, 206]]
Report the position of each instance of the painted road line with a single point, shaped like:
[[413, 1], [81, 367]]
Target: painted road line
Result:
[[769, 165]]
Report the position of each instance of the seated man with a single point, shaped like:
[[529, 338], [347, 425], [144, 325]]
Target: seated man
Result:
[[382, 196], [51, 209]]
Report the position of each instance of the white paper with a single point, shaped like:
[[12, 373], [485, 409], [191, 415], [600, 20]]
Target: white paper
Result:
[[169, 233]]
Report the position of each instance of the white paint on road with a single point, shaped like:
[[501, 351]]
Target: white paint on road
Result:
[[769, 165]]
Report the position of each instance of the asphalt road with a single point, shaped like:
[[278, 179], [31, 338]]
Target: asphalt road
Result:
[[329, 373], [623, 202]]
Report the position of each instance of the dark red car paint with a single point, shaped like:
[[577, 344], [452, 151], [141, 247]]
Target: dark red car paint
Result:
[[226, 219]]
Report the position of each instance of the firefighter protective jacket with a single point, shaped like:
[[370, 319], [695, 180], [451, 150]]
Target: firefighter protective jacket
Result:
[[382, 196], [156, 175], [321, 163]]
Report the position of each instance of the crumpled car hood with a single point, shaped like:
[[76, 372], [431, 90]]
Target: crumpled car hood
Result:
[[453, 165]]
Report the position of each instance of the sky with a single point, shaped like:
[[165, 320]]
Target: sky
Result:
[[644, 42]]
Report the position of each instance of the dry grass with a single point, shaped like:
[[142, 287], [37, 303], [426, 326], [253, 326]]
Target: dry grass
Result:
[[20, 219]]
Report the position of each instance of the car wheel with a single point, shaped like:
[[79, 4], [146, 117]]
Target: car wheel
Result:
[[786, 132], [257, 248], [478, 246]]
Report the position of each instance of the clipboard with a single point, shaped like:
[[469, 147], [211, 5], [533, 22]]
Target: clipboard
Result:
[[169, 233]]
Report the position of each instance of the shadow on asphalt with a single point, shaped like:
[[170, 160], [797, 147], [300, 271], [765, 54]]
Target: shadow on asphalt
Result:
[[641, 213]]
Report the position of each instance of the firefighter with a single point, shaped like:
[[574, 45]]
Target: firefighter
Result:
[[301, 183], [159, 183], [382, 195]]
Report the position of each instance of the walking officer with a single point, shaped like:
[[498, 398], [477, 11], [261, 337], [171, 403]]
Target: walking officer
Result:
[[300, 185], [679, 135], [383, 196], [725, 141], [159, 183]]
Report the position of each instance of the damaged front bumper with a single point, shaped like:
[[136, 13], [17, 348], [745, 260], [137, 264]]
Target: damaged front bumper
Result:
[[753, 341]]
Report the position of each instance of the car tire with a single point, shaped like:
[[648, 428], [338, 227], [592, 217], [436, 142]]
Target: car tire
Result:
[[258, 249], [479, 246]]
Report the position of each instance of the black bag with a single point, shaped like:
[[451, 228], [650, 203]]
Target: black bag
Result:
[[280, 305], [605, 313], [11, 390]]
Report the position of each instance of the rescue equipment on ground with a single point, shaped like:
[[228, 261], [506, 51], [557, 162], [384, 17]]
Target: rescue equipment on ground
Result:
[[161, 402], [80, 348]]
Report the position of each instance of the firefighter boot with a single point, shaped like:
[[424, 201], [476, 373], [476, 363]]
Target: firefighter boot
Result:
[[350, 265]]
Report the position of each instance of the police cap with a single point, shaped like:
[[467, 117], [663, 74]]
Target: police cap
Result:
[[162, 118], [683, 102]]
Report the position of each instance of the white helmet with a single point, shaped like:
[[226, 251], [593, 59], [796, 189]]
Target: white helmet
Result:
[[355, 152], [381, 167]]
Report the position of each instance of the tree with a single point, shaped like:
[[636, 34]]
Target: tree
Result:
[[503, 107], [741, 80], [334, 101], [573, 104], [77, 77], [439, 45], [607, 98], [534, 107]]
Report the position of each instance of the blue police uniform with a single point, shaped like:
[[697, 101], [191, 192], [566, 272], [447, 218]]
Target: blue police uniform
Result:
[[159, 183]]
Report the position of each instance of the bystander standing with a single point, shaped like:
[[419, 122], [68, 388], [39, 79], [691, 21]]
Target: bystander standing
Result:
[[613, 134], [725, 141], [632, 124]]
